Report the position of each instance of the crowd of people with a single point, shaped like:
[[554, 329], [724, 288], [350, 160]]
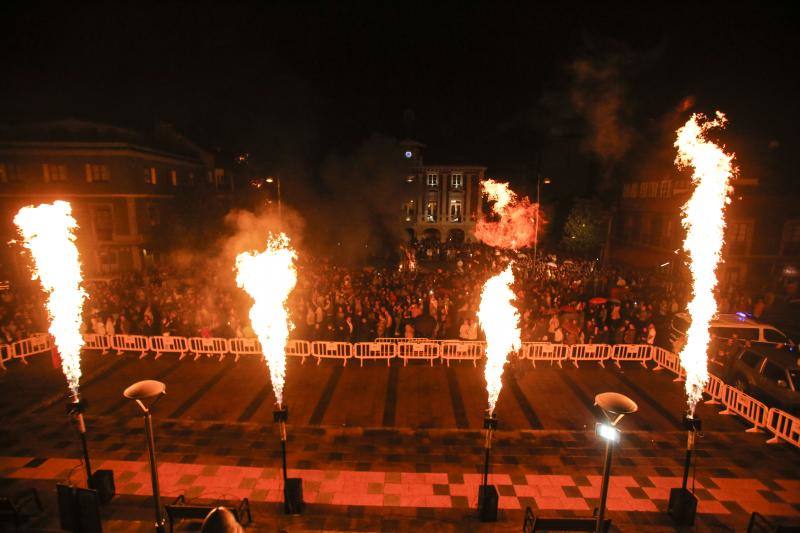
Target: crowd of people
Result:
[[562, 301]]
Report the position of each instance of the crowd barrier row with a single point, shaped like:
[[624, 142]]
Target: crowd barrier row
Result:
[[782, 425]]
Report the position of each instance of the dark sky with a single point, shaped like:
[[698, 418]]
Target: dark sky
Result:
[[489, 83]]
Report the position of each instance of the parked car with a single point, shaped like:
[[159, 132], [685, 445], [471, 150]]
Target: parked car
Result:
[[770, 375], [725, 326]]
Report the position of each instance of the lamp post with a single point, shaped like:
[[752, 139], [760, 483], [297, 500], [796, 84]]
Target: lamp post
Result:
[[614, 407], [277, 181], [538, 208], [150, 391]]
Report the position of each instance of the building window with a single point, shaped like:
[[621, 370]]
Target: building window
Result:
[[409, 211], [664, 189], [173, 177], [219, 177], [433, 179], [737, 238], [430, 211], [191, 178], [456, 181], [97, 173], [103, 221], [150, 175], [791, 238], [153, 215], [107, 261], [54, 172], [455, 210], [3, 173]]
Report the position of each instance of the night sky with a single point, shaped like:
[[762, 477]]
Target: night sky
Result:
[[572, 90]]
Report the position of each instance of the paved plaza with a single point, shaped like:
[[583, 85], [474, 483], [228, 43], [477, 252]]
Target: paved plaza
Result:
[[387, 448]]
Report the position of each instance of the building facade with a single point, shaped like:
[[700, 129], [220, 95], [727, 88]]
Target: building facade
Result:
[[122, 185], [762, 234], [442, 202]]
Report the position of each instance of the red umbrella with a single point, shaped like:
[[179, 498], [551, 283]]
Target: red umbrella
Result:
[[597, 300]]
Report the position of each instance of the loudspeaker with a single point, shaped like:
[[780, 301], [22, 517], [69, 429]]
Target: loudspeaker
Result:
[[78, 509], [67, 513], [293, 496], [682, 506], [487, 503], [103, 482]]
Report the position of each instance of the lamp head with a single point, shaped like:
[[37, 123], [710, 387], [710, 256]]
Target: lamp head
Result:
[[615, 405], [142, 391]]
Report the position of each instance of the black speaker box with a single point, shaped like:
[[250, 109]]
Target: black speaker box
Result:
[[79, 509], [293, 496], [487, 503], [682, 506], [103, 482]]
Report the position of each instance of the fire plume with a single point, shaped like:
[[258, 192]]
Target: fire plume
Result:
[[704, 220], [500, 322], [520, 220], [268, 277], [48, 232]]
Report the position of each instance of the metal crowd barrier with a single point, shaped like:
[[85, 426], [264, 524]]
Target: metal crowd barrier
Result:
[[737, 402], [6, 354], [544, 351], [170, 344], [332, 350], [39, 343], [783, 426], [589, 352], [462, 351], [131, 343], [375, 350]]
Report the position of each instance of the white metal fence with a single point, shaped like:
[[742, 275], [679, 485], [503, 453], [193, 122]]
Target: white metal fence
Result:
[[783, 426]]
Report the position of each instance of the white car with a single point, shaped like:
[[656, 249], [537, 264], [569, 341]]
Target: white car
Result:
[[725, 326]]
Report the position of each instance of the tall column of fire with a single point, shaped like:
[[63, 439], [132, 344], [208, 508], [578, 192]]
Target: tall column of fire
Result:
[[268, 277], [48, 232], [704, 220]]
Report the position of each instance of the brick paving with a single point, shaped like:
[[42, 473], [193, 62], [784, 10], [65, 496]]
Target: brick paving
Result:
[[389, 448]]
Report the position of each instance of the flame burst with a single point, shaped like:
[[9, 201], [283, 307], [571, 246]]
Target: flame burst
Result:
[[268, 277], [704, 220], [48, 231], [517, 227], [500, 322]]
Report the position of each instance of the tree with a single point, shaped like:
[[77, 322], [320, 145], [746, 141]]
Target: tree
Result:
[[586, 227]]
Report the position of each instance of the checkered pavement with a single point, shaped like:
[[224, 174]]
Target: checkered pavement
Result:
[[716, 495]]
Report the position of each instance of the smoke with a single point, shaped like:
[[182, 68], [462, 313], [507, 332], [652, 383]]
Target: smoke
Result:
[[358, 213], [598, 96]]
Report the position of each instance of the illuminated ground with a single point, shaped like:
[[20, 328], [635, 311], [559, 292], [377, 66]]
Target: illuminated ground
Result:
[[387, 448]]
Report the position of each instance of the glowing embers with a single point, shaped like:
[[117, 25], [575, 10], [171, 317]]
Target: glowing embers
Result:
[[704, 220]]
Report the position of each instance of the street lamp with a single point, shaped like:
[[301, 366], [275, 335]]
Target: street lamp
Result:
[[150, 391], [614, 406], [277, 181], [539, 182]]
